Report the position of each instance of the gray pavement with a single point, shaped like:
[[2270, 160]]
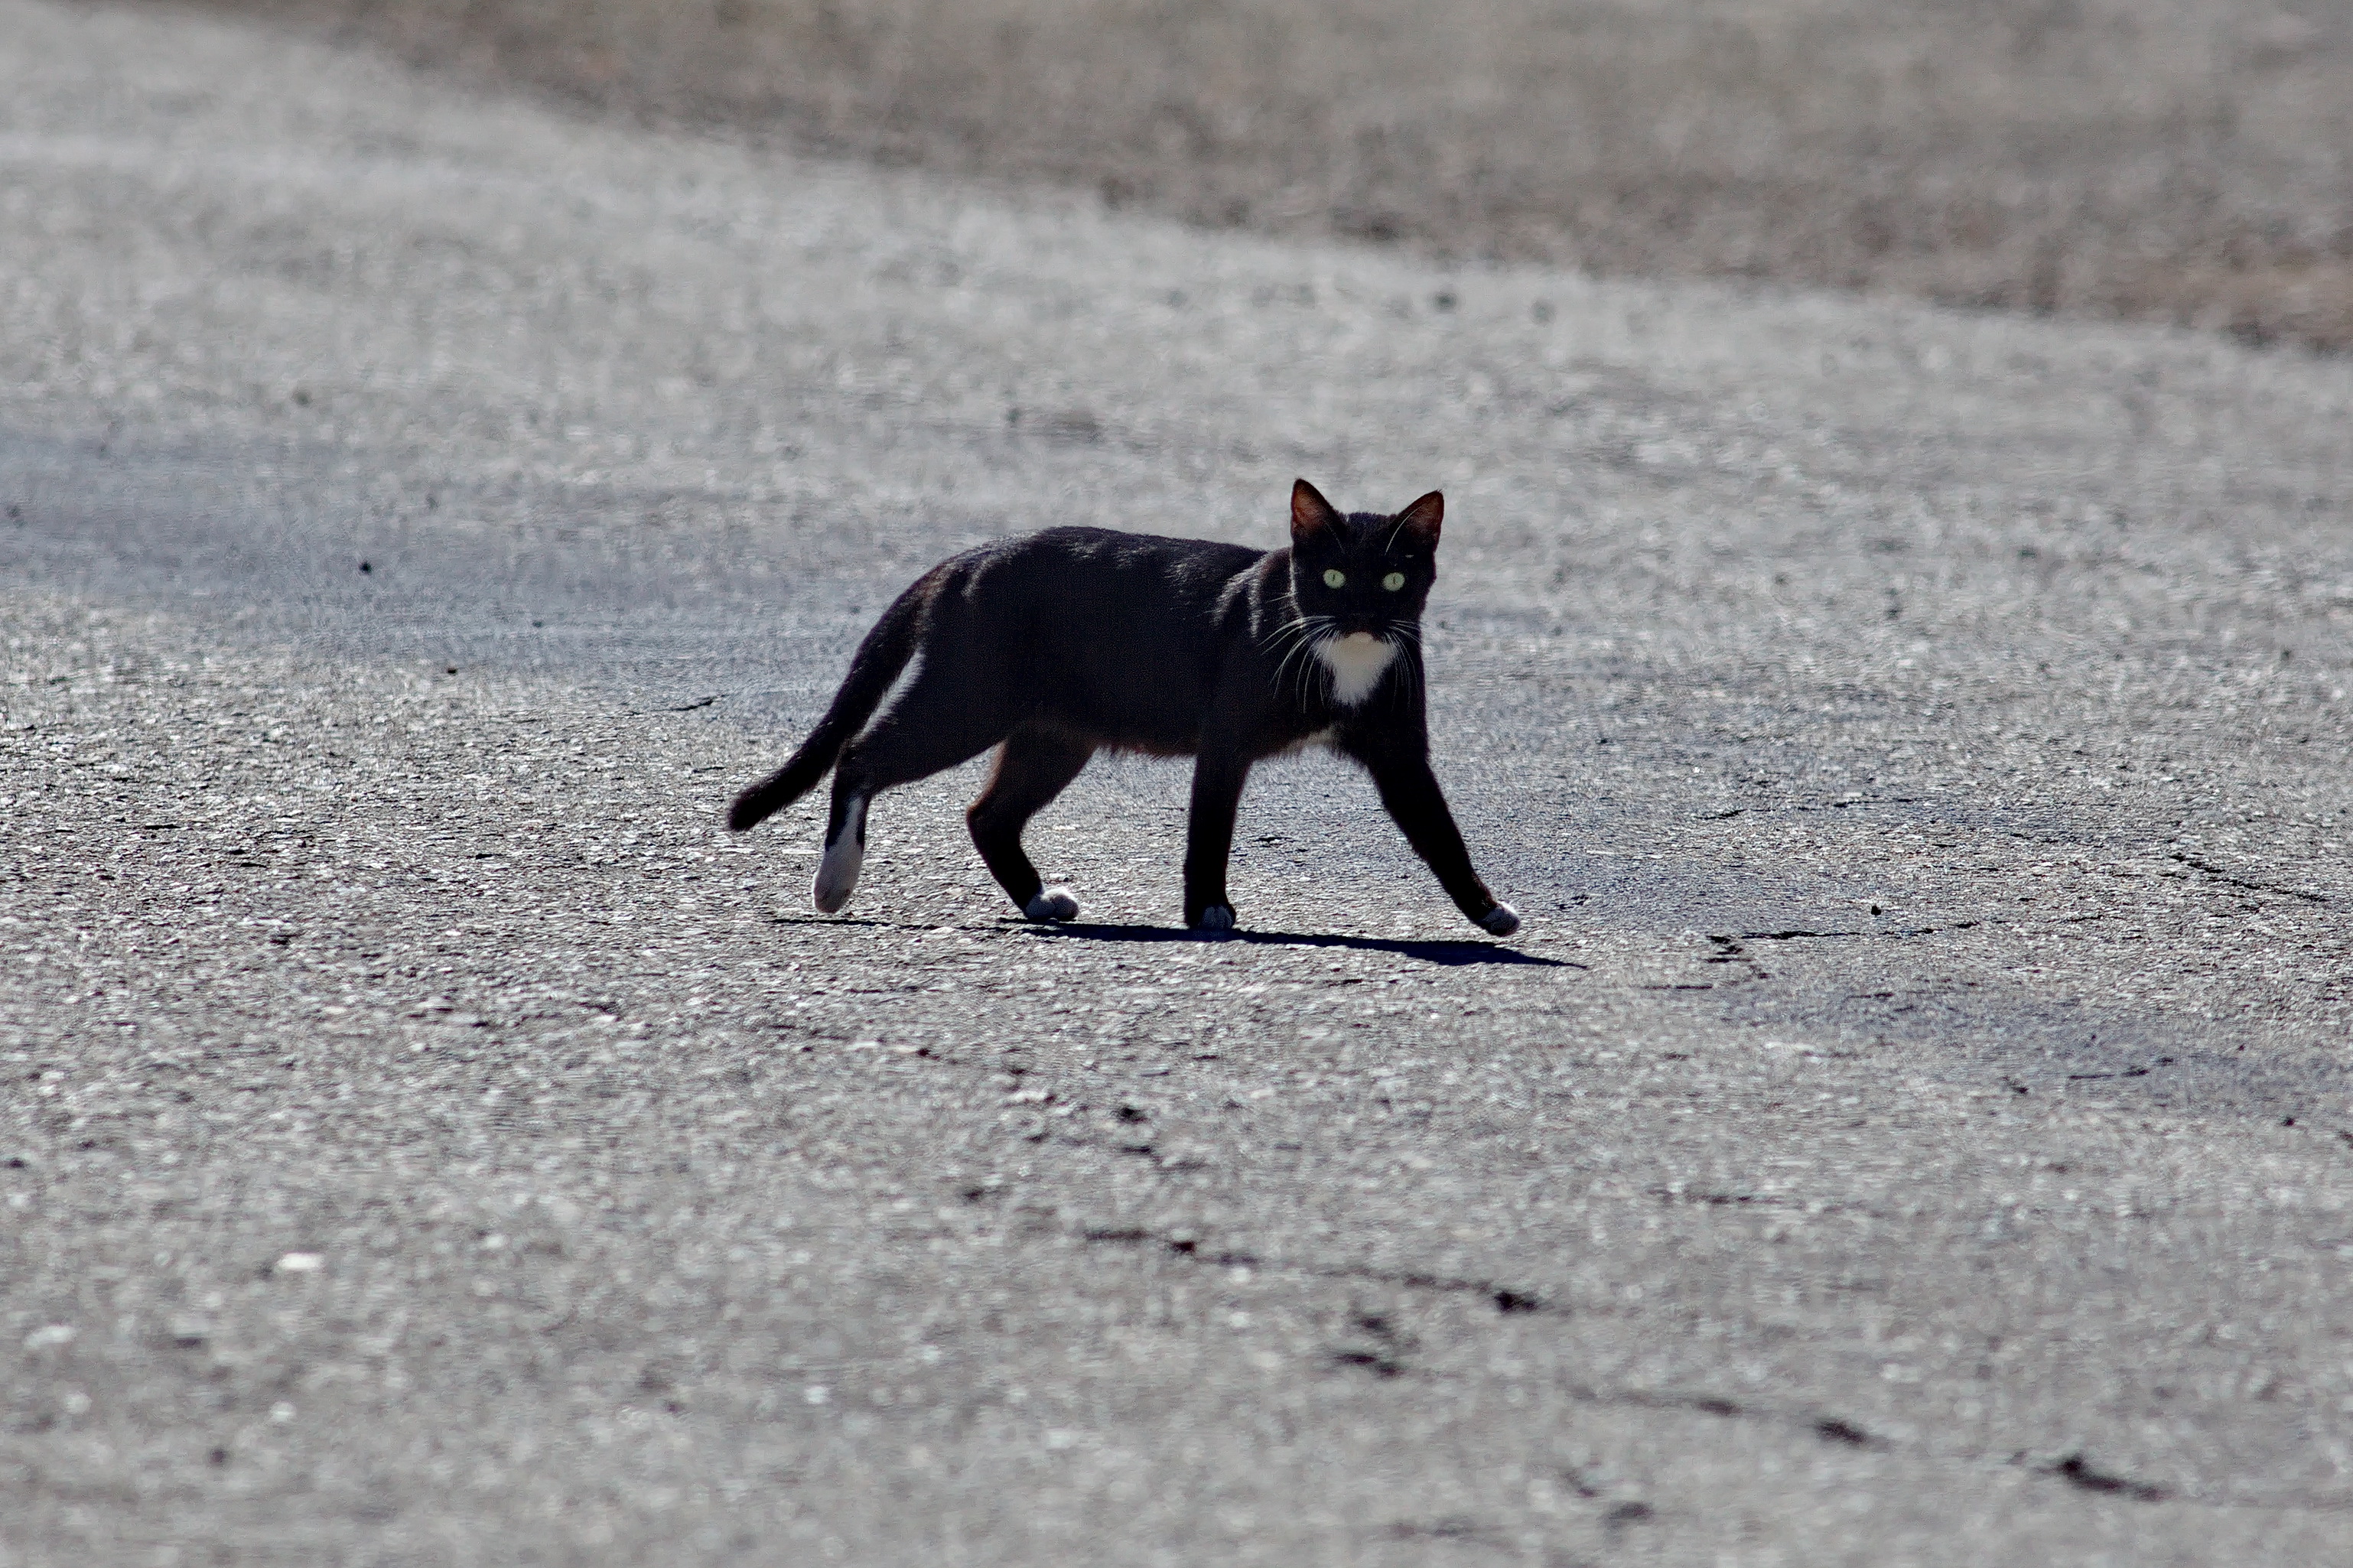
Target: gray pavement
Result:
[[1912, 1126]]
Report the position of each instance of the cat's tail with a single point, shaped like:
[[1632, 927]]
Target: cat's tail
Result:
[[879, 658]]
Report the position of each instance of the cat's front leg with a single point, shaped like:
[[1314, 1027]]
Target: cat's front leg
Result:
[[1410, 790], [1217, 779]]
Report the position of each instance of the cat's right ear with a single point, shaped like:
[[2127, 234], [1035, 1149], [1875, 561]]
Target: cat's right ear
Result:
[[1312, 516]]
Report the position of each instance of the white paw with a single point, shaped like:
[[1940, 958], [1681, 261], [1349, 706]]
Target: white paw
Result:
[[1501, 921], [1053, 904], [837, 875], [1217, 918]]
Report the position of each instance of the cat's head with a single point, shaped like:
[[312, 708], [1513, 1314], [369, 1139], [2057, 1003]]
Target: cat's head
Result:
[[1365, 571]]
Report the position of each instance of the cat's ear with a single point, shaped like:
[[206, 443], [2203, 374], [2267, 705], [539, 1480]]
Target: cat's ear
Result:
[[1419, 522], [1312, 516]]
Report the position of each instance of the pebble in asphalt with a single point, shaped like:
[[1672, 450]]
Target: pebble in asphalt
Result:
[[1911, 1126]]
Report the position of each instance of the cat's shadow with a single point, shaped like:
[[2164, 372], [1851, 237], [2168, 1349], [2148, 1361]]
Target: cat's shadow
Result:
[[1449, 953]]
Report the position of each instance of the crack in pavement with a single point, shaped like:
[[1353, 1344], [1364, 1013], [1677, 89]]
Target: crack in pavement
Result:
[[1507, 1300], [1728, 948], [1729, 951], [2232, 878], [1762, 1200], [2073, 1468], [2076, 1471], [1457, 1530], [2121, 1072], [1797, 935]]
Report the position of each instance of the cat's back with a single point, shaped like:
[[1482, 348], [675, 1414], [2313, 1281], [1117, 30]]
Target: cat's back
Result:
[[1092, 551], [1091, 573], [1071, 616]]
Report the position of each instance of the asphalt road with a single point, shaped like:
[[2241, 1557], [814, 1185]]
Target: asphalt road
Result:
[[1911, 1127]]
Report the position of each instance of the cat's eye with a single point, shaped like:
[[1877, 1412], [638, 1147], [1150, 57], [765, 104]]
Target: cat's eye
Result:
[[1393, 581], [1335, 578]]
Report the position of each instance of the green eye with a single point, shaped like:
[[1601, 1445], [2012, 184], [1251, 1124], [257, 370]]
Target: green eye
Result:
[[1335, 578], [1393, 581]]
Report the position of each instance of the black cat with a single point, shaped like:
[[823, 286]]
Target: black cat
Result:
[[1054, 647]]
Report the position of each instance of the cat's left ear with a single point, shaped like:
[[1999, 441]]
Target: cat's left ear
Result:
[[1419, 522]]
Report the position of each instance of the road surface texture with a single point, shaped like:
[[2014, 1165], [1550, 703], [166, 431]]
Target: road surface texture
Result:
[[1912, 1126], [2180, 160]]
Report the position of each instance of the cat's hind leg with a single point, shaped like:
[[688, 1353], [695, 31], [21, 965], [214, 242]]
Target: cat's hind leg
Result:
[[845, 854], [1032, 767], [929, 729]]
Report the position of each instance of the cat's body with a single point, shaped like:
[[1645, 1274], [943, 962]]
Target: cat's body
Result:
[[1077, 640]]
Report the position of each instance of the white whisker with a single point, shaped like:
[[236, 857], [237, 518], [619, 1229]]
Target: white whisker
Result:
[[1298, 626], [1298, 637], [1303, 650]]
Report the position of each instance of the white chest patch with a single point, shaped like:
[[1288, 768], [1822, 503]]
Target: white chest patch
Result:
[[1356, 662]]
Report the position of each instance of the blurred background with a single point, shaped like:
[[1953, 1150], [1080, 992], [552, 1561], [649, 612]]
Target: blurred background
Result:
[[2184, 161]]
